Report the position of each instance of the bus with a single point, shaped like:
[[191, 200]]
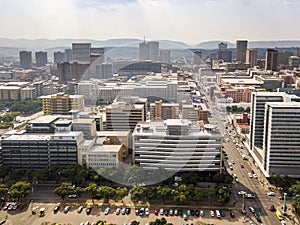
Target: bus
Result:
[[279, 215]]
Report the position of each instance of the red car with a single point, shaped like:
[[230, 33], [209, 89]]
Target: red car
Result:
[[156, 212], [242, 166], [272, 208], [280, 197]]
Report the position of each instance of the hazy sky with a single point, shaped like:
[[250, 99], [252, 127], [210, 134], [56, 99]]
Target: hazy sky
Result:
[[191, 21]]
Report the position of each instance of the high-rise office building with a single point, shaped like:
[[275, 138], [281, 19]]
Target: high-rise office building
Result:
[[41, 59], [165, 56], [59, 57], [68, 55], [281, 152], [251, 57], [298, 51], [271, 59], [25, 59], [104, 70], [241, 48], [197, 56], [223, 53], [294, 62], [81, 52], [67, 71], [149, 50], [258, 100]]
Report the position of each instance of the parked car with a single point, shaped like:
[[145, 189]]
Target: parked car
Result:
[[88, 210], [106, 210], [271, 193], [123, 211], [201, 213], [192, 212], [232, 214], [254, 176], [242, 166], [142, 211], [197, 213], [280, 197], [80, 208], [180, 212], [147, 212], [127, 211], [176, 212], [171, 212], [283, 222], [161, 212], [118, 210], [243, 211], [188, 212], [156, 212], [222, 213], [56, 209], [166, 212], [272, 208], [250, 175], [212, 214], [251, 209], [242, 193], [66, 209], [185, 217], [257, 217], [6, 206], [137, 211]]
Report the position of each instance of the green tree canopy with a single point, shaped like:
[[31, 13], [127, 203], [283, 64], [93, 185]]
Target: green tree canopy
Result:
[[19, 190]]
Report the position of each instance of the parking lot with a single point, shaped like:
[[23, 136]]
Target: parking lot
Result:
[[16, 217]]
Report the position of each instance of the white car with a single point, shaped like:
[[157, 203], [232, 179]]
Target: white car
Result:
[[106, 211], [232, 161], [254, 176], [271, 193], [250, 175], [118, 211], [283, 222], [251, 209], [147, 211], [242, 193], [212, 214], [201, 213], [234, 175]]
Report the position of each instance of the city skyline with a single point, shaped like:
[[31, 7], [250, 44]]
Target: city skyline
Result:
[[191, 21]]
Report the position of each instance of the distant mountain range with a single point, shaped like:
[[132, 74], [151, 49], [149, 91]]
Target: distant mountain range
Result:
[[44, 44]]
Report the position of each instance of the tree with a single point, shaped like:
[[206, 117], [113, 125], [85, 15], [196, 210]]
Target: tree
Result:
[[248, 109], [64, 189], [224, 195], [190, 177], [295, 190], [16, 174], [121, 192], [91, 190], [164, 192], [110, 173], [210, 193], [3, 190], [135, 222], [234, 108], [9, 117], [198, 194], [106, 193], [138, 193], [135, 174], [19, 190], [151, 193], [228, 108]]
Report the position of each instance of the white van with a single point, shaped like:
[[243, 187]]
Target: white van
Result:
[[218, 213]]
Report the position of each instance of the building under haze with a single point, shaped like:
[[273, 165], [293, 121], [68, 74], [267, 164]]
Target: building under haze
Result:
[[241, 48], [251, 57], [271, 62], [41, 59], [223, 53], [59, 57], [149, 50], [25, 59], [81, 52]]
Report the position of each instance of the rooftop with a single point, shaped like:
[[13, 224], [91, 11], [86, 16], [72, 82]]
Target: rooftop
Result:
[[26, 137]]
